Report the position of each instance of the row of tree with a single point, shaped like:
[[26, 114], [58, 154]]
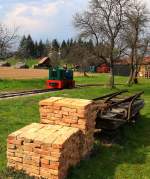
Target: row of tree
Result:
[[78, 52], [118, 27], [70, 51], [29, 48]]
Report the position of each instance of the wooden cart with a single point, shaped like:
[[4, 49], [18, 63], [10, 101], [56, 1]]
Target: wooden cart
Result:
[[116, 109]]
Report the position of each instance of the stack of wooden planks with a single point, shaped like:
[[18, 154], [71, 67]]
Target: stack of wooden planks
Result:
[[78, 113], [44, 150], [63, 138]]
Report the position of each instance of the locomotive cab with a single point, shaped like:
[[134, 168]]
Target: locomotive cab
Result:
[[60, 78]]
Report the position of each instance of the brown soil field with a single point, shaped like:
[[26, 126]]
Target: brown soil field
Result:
[[11, 73]]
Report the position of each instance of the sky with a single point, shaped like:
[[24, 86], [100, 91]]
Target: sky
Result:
[[43, 18]]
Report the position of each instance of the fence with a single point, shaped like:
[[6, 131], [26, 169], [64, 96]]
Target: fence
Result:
[[147, 74]]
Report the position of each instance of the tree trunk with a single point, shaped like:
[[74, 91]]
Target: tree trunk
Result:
[[111, 79], [135, 77], [85, 74], [130, 81]]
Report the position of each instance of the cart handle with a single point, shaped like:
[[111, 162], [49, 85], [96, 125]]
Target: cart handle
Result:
[[110, 95], [131, 104]]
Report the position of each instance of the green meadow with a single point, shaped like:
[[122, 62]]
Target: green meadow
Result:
[[130, 159]]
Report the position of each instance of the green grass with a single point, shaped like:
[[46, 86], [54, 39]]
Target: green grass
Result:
[[13, 61], [19, 85], [30, 61], [128, 160]]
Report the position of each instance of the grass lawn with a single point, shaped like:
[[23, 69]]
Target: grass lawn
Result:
[[128, 160], [20, 85]]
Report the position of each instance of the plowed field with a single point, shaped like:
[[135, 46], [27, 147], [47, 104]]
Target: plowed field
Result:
[[10, 73]]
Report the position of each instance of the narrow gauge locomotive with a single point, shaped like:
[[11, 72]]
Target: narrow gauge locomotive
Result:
[[60, 78]]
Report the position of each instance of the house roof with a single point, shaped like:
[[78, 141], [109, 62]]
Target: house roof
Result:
[[146, 60], [45, 59], [126, 61], [123, 61]]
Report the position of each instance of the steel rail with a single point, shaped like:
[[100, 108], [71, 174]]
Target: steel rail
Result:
[[24, 93]]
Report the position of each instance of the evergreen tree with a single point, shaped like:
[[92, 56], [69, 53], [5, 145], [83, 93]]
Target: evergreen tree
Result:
[[30, 47], [41, 48], [80, 42], [64, 49], [36, 49], [23, 47], [64, 44], [74, 43], [47, 49], [55, 45], [68, 42], [71, 42], [26, 48]]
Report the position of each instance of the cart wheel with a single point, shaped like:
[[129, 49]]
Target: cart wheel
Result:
[[135, 118]]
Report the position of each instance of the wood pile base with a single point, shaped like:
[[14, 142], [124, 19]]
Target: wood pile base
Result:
[[63, 138], [45, 150]]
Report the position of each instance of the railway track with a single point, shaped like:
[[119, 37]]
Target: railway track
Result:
[[40, 91], [31, 92], [25, 93]]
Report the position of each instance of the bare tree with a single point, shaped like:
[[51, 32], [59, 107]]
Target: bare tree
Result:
[[7, 40], [82, 56], [136, 36], [104, 22]]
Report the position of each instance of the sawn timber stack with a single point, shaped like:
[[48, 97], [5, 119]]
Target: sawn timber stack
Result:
[[44, 150], [64, 137]]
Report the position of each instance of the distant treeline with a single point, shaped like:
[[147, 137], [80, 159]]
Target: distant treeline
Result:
[[30, 48]]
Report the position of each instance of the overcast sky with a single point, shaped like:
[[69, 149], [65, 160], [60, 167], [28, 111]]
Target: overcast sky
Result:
[[42, 18]]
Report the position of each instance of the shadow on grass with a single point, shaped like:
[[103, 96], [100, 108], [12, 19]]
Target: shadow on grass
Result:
[[118, 161], [10, 174]]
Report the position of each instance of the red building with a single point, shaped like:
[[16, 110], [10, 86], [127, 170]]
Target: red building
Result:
[[104, 68]]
